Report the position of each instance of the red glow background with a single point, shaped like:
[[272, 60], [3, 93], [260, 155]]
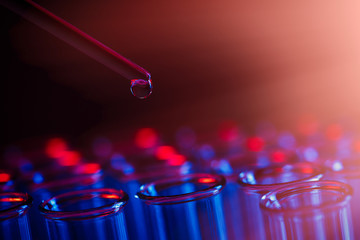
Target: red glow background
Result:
[[241, 60]]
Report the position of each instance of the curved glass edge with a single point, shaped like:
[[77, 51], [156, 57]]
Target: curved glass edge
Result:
[[271, 202], [317, 173], [20, 203], [119, 196], [218, 182]]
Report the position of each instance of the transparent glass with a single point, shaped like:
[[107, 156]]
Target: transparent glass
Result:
[[256, 181], [185, 207], [348, 171], [63, 30], [135, 213], [14, 223], [86, 214], [309, 210], [55, 185]]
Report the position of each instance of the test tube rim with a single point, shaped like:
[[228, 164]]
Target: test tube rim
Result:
[[296, 187], [214, 189], [264, 188], [101, 211], [18, 209]]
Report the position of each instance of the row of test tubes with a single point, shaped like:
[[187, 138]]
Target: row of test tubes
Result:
[[298, 198]]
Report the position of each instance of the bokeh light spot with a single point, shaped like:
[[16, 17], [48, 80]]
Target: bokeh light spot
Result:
[[70, 158], [164, 152], [255, 144], [146, 138], [56, 148]]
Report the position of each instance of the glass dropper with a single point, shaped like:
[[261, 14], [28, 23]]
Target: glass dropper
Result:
[[139, 78]]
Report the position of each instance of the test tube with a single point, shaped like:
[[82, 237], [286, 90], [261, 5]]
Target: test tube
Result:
[[348, 171], [185, 207], [57, 183], [13, 216], [86, 214], [63, 30], [309, 210], [131, 182], [256, 181]]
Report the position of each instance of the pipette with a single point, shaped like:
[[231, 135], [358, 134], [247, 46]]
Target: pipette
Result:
[[140, 79]]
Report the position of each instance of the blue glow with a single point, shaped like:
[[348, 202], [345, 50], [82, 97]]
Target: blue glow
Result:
[[222, 166], [263, 160], [128, 168], [38, 178], [287, 141], [206, 152], [9, 183], [118, 162], [26, 167], [310, 154]]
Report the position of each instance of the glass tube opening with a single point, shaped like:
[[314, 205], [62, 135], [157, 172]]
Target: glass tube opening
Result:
[[265, 179], [14, 204], [307, 197], [84, 204], [181, 189]]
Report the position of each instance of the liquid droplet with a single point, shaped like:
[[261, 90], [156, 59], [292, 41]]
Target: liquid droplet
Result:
[[141, 88]]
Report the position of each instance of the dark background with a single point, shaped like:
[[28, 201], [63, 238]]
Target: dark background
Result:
[[210, 61]]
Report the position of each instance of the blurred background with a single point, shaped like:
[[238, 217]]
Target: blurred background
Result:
[[211, 62]]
